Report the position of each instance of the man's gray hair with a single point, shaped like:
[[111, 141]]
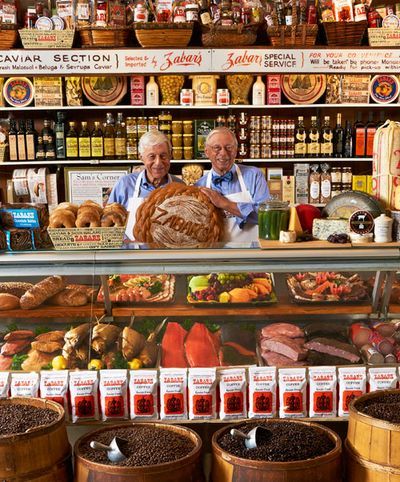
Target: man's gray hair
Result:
[[151, 139], [221, 130]]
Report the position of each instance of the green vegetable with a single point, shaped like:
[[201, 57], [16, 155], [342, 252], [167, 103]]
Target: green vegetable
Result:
[[49, 366], [17, 361], [12, 327], [119, 361], [41, 329], [155, 288]]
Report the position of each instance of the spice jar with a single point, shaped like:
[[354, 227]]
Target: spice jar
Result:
[[347, 175], [383, 229], [273, 217], [177, 127], [188, 140], [187, 127]]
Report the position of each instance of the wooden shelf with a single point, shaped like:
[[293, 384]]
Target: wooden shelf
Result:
[[86, 311], [214, 310], [394, 309]]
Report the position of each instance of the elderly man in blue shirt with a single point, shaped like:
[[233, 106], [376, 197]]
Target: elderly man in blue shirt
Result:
[[131, 190], [238, 191]]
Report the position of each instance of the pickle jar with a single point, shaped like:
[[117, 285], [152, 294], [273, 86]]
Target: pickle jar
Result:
[[273, 217]]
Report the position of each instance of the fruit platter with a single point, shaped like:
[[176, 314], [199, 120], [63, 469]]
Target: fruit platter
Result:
[[231, 288], [327, 287], [139, 288]]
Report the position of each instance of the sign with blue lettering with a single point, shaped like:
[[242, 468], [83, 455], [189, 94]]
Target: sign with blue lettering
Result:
[[23, 218]]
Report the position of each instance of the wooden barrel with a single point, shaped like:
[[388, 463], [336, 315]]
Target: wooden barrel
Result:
[[325, 468], [42, 454], [361, 470], [374, 440], [186, 469]]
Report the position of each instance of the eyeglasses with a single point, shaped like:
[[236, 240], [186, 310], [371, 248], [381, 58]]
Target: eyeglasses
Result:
[[216, 148]]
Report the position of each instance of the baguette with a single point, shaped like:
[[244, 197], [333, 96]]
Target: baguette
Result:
[[41, 291], [69, 298], [15, 288], [8, 302]]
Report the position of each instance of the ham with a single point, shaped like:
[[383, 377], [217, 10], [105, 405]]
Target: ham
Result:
[[13, 347], [173, 354], [200, 347], [288, 347], [5, 362], [277, 360], [282, 329]]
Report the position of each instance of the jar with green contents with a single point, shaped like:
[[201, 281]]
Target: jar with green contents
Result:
[[273, 217]]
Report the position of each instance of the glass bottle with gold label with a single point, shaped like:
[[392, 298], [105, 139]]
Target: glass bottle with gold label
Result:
[[326, 138], [120, 137], [71, 142], [96, 142], [84, 142], [109, 138], [313, 146], [300, 146]]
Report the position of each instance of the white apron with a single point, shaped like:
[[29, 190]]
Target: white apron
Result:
[[133, 205], [233, 234]]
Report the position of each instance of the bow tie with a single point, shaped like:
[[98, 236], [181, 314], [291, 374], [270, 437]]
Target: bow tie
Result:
[[216, 180]]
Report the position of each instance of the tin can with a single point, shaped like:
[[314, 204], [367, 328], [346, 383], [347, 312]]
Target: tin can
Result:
[[187, 97], [223, 97]]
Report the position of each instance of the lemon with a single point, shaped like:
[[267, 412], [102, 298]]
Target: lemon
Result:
[[95, 364], [224, 297], [135, 364], [59, 363]]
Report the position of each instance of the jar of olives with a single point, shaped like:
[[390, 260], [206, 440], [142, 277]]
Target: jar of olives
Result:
[[273, 217]]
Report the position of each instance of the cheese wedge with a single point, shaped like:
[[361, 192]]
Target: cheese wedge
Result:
[[294, 222]]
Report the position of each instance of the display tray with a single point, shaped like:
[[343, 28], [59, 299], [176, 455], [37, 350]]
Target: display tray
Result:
[[221, 289], [327, 288], [128, 289], [66, 239]]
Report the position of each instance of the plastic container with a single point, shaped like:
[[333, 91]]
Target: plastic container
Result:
[[273, 217]]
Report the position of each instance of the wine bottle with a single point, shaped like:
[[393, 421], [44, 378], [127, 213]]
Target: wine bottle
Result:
[[96, 142], [326, 138], [59, 130], [109, 137], [300, 146], [71, 142], [21, 141], [12, 141], [370, 130], [30, 138], [348, 141], [359, 137], [120, 137], [84, 142], [313, 146], [338, 137]]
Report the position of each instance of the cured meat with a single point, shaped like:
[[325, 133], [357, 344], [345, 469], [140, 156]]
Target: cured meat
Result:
[[335, 348], [277, 360], [13, 347], [200, 347], [282, 329], [285, 346], [19, 335], [5, 362], [173, 351]]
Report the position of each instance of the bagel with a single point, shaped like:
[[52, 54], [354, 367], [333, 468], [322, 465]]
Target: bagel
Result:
[[62, 218], [112, 218], [66, 205], [92, 205], [88, 218], [116, 208]]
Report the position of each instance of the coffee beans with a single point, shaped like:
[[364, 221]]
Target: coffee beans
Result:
[[143, 446], [385, 407], [16, 419], [287, 442]]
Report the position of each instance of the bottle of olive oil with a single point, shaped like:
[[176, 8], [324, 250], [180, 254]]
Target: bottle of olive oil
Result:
[[96, 142], [109, 138], [120, 137], [84, 142], [71, 142]]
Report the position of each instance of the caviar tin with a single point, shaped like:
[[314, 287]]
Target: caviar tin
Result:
[[44, 23], [391, 21], [58, 22], [384, 88], [18, 91]]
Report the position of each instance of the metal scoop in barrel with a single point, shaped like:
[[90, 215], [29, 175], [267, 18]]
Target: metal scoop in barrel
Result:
[[252, 439], [114, 453]]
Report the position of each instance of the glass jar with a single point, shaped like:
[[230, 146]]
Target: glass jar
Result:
[[273, 217], [177, 153], [346, 186], [347, 175], [187, 127], [176, 140], [188, 153], [177, 127], [188, 140], [336, 189], [336, 174]]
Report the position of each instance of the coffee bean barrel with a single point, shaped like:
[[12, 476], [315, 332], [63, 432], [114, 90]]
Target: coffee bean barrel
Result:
[[372, 444], [42, 453], [145, 463], [323, 468]]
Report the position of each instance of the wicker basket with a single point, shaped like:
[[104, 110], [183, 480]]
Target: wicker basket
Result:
[[104, 36], [151, 34], [384, 37], [292, 35], [229, 35], [8, 36], [345, 34], [46, 39]]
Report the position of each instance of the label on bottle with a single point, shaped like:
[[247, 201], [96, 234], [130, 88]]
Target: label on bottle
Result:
[[21, 148], [370, 141], [30, 147], [60, 145], [109, 146], [313, 148], [120, 146], [205, 18], [13, 150], [327, 148], [326, 189], [300, 148], [72, 146], [360, 141], [84, 147], [360, 13], [314, 191], [97, 147]]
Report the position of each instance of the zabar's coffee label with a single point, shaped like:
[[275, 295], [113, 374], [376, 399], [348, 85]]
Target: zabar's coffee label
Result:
[[143, 386], [262, 392], [202, 393], [54, 386], [173, 396], [25, 384], [323, 390], [113, 394], [4, 384], [382, 378], [352, 384], [83, 388], [292, 393], [233, 388]]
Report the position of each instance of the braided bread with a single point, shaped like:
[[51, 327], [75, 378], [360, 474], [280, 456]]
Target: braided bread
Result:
[[178, 216], [62, 218]]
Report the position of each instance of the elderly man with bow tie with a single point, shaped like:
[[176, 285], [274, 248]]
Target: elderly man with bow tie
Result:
[[238, 191]]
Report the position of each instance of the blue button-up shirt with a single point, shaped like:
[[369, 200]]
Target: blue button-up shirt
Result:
[[256, 184], [125, 187]]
